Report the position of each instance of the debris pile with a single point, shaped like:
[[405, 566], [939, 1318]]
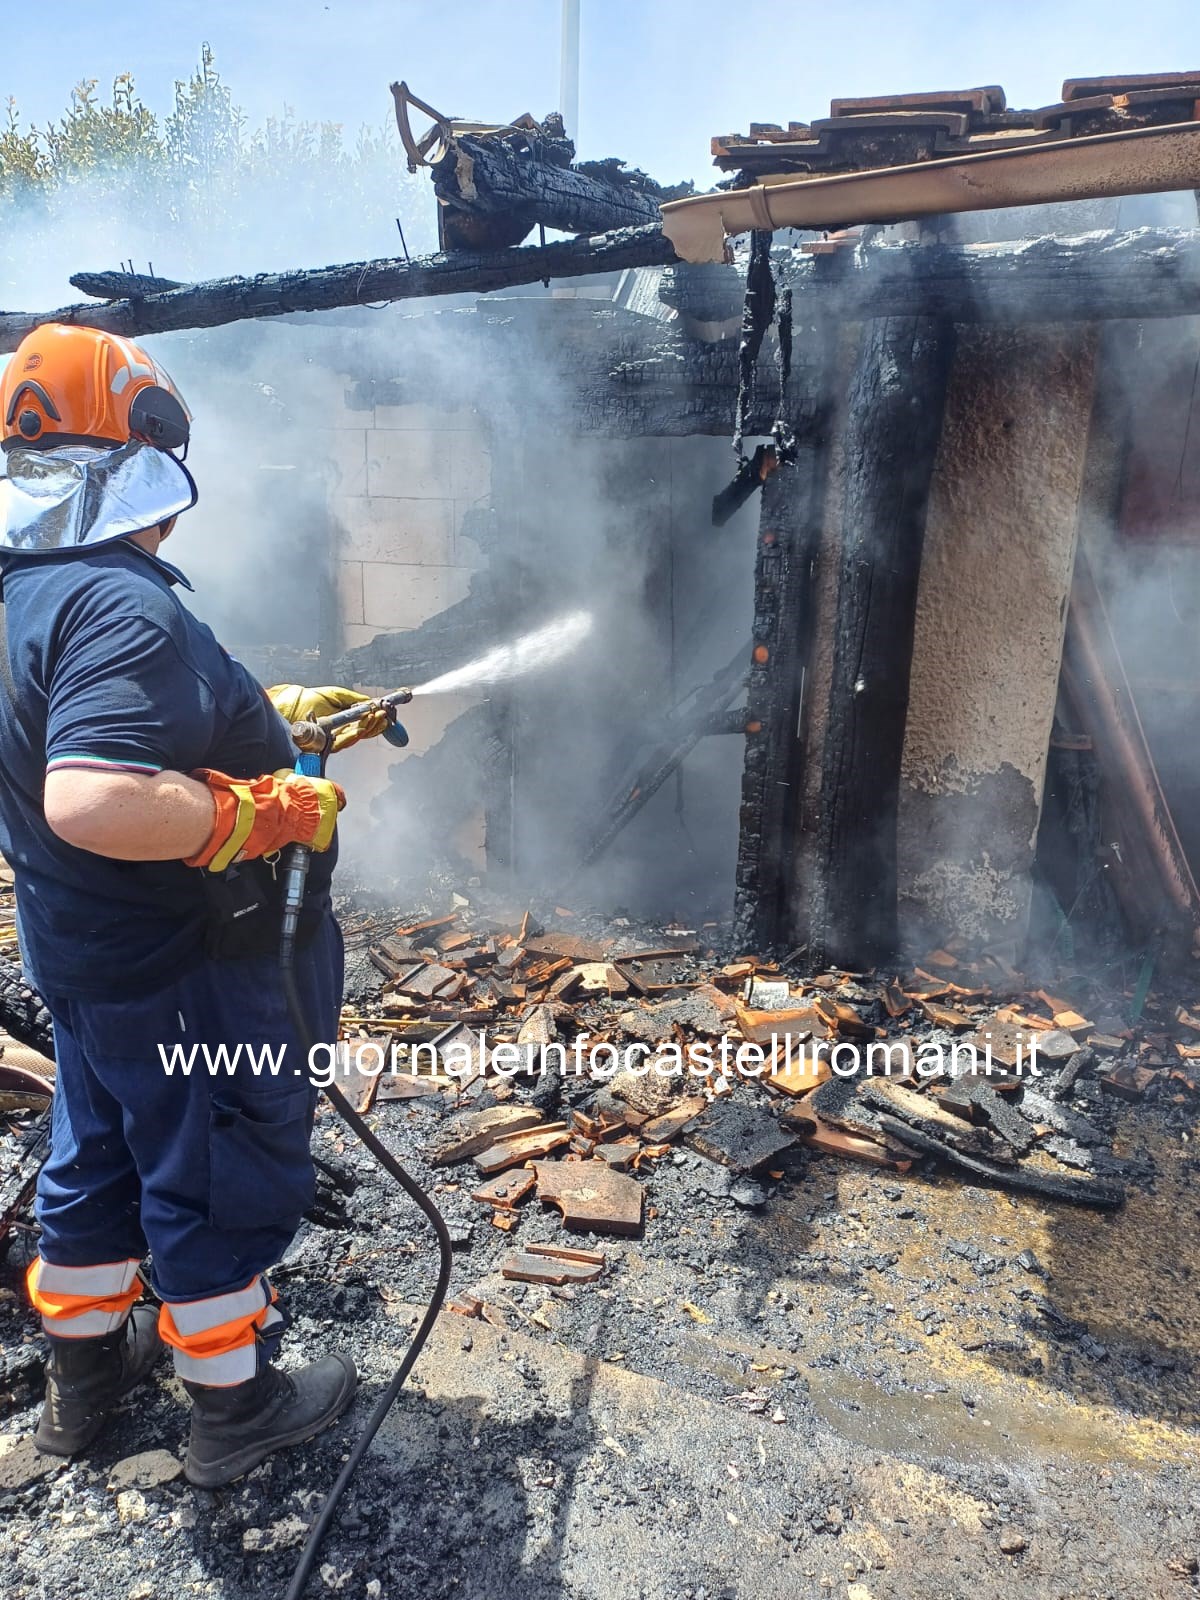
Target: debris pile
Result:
[[579, 1061]]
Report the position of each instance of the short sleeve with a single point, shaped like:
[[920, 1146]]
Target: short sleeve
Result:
[[122, 698]]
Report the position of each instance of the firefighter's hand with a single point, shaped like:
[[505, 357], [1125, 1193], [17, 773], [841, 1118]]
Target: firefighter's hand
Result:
[[257, 816], [297, 704]]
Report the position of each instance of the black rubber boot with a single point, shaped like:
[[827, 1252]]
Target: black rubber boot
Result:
[[234, 1429], [86, 1378]]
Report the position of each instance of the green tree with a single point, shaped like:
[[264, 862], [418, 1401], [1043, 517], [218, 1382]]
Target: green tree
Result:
[[203, 135], [95, 140], [200, 191], [24, 162]]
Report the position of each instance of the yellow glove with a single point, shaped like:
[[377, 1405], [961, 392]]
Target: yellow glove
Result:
[[297, 704]]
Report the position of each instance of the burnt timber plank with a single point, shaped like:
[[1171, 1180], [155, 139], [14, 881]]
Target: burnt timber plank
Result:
[[1025, 1176], [1093, 277], [893, 424], [788, 540]]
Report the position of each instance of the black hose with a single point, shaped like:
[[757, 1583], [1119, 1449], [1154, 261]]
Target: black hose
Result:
[[418, 1196]]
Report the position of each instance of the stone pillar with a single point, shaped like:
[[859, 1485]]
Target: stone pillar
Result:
[[991, 608]]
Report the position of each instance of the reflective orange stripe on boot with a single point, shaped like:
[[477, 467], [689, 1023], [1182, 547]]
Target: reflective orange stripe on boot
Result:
[[216, 1340], [83, 1302]]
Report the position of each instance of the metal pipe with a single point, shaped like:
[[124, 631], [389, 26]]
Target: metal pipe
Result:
[[568, 69]]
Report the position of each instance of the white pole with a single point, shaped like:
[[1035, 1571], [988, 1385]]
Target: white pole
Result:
[[568, 69]]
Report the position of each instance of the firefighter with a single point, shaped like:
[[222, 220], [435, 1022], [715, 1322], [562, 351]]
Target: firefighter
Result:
[[145, 792]]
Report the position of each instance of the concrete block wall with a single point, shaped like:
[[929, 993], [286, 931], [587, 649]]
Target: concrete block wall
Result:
[[402, 479]]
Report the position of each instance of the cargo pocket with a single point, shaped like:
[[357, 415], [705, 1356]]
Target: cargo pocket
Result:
[[261, 1171]]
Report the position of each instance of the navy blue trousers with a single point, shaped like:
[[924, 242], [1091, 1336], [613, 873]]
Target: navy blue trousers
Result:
[[209, 1170]]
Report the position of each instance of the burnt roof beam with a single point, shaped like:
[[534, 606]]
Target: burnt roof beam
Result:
[[1095, 277], [1144, 272]]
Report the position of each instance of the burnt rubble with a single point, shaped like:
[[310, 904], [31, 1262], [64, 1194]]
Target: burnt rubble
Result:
[[551, 1049], [561, 1048], [766, 1249]]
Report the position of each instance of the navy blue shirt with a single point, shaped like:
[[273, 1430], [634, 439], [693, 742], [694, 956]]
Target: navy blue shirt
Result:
[[113, 673]]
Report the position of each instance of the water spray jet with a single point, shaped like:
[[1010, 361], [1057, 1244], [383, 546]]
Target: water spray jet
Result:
[[539, 648]]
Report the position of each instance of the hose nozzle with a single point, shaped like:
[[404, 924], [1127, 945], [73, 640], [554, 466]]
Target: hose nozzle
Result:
[[318, 736]]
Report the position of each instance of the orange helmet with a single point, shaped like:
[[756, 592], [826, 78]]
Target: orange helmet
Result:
[[71, 385]]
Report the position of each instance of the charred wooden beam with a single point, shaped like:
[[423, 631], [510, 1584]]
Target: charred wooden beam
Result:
[[225, 300], [1050, 1183], [1145, 273], [1094, 277], [893, 424], [788, 541], [495, 187], [703, 712], [495, 183], [23, 1012], [121, 285], [705, 291]]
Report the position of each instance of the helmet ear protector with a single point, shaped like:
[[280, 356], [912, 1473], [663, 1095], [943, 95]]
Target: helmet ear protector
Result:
[[27, 421], [156, 417]]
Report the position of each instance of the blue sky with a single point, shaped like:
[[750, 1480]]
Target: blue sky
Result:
[[658, 78]]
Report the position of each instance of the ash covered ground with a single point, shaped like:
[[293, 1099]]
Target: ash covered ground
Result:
[[838, 1381]]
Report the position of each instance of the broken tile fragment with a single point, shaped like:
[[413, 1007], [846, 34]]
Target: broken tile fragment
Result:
[[465, 1135], [590, 1195], [427, 981], [512, 1150], [674, 1121], [1128, 1081], [552, 1267], [505, 1189]]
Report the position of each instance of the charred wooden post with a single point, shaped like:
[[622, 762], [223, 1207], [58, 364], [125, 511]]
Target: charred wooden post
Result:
[[1166, 899], [893, 424], [789, 537]]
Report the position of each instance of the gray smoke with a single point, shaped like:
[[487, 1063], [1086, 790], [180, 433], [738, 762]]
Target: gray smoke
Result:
[[614, 530]]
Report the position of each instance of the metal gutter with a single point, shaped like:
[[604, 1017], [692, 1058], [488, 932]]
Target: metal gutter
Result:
[[1138, 161]]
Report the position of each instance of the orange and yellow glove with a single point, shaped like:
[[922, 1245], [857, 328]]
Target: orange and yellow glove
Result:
[[257, 816], [297, 704]]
